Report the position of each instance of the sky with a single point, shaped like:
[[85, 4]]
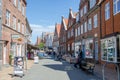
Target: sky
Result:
[[44, 14]]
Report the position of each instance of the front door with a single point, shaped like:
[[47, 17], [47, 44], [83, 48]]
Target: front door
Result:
[[96, 50]]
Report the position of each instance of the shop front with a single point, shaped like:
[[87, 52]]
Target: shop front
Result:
[[77, 45], [110, 48], [88, 48]]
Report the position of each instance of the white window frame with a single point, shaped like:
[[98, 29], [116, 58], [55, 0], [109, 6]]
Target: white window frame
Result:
[[18, 25], [116, 6], [95, 20], [23, 28], [82, 29], [76, 32], [19, 5], [72, 46], [85, 26], [92, 3], [71, 32], [68, 47], [89, 24], [23, 10], [107, 11], [7, 21], [14, 2], [79, 30], [81, 12], [85, 9], [14, 22]]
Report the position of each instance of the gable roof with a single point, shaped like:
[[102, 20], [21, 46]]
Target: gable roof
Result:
[[65, 22], [73, 14], [58, 27]]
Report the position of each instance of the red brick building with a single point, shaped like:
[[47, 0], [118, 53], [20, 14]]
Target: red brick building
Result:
[[70, 32], [110, 30], [13, 28], [62, 38], [56, 37], [89, 28]]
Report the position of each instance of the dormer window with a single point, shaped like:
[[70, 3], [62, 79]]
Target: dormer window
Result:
[[92, 3]]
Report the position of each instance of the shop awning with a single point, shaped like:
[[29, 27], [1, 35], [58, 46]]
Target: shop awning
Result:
[[30, 46]]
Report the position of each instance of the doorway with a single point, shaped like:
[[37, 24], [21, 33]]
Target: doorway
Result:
[[96, 50]]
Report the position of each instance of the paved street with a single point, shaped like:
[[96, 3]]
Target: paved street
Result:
[[49, 69]]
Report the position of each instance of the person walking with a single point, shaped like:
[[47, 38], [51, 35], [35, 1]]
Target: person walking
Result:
[[79, 58]]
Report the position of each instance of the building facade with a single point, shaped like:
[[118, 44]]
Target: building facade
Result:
[[13, 25], [70, 32], [62, 39], [89, 28], [56, 38], [110, 31]]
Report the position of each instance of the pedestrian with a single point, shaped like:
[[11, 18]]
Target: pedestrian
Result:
[[79, 58]]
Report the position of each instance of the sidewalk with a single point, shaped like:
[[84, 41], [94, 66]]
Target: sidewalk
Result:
[[110, 74], [6, 72]]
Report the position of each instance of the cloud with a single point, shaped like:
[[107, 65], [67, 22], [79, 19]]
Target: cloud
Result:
[[38, 29]]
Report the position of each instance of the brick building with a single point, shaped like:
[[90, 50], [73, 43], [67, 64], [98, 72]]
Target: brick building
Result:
[[89, 29], [56, 37], [110, 30], [13, 25], [62, 39], [70, 32]]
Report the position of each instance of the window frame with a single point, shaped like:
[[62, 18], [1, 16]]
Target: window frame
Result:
[[116, 5], [107, 11], [95, 20], [7, 20]]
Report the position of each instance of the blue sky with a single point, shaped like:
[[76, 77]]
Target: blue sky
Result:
[[43, 14]]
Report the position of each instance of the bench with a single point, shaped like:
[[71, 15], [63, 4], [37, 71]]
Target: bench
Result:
[[88, 66]]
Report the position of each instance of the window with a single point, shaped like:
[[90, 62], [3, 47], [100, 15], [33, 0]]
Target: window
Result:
[[116, 6], [85, 26], [85, 9], [72, 46], [81, 29], [18, 25], [90, 24], [107, 11], [81, 12], [14, 2], [95, 21], [19, 5], [7, 22], [14, 22], [68, 47], [23, 10], [92, 3], [23, 28], [76, 32], [71, 32]]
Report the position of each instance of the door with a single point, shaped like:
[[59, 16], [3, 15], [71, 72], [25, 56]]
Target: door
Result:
[[4, 55], [96, 50]]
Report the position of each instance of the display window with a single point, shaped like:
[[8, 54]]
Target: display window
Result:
[[89, 48], [109, 49]]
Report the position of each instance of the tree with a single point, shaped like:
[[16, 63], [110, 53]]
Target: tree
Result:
[[41, 45]]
